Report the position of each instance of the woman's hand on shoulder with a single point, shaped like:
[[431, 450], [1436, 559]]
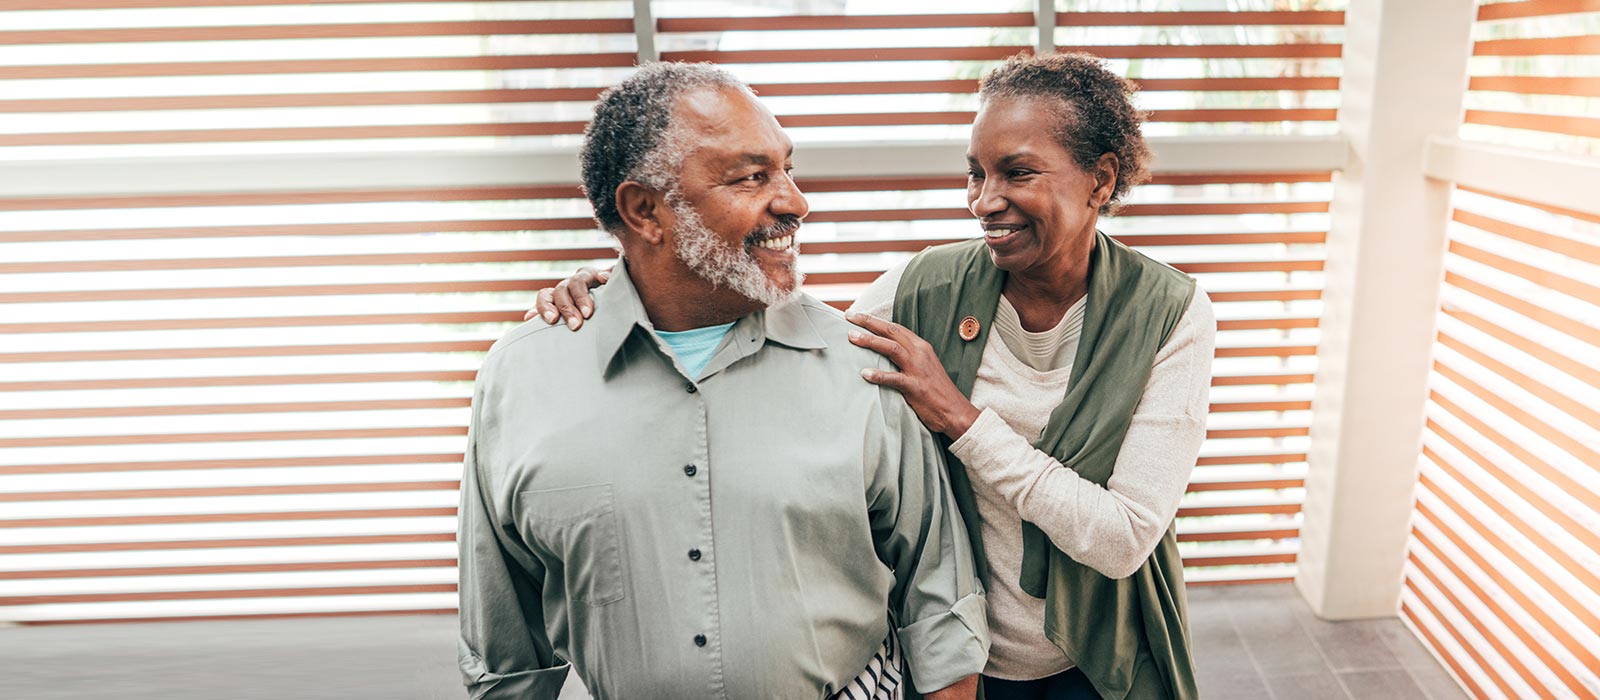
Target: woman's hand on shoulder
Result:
[[922, 379], [569, 299]]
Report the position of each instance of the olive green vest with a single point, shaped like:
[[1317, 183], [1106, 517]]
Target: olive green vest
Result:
[[1130, 636]]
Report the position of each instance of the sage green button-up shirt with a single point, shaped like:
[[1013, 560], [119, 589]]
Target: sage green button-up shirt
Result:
[[744, 535]]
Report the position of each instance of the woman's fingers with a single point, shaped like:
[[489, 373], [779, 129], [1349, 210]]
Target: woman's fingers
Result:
[[578, 286], [570, 299], [542, 307], [879, 344], [922, 380], [893, 380], [565, 305], [887, 329], [871, 323]]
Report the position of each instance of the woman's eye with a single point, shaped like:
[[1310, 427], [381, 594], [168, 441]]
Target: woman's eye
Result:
[[974, 175], [1018, 173]]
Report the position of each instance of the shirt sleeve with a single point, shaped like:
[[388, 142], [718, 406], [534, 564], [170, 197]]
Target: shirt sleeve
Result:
[[937, 600], [1111, 529], [503, 650], [877, 300]]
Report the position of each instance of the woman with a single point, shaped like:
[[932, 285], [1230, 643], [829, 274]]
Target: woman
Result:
[[1069, 375]]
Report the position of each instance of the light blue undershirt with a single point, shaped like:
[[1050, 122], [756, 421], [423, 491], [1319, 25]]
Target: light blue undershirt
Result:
[[695, 347]]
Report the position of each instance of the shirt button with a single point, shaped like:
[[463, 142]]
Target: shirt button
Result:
[[689, 470], [690, 387], [699, 640], [694, 555]]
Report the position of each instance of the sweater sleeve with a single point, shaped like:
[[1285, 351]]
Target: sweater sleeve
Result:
[[1112, 529], [877, 300]]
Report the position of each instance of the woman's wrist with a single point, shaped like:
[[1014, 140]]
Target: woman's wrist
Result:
[[960, 420]]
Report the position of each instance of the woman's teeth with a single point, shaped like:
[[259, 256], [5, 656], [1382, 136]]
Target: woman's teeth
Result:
[[777, 243], [1001, 232]]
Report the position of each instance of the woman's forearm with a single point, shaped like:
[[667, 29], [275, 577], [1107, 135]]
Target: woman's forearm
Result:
[[1110, 528]]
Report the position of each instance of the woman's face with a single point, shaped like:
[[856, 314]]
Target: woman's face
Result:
[[1036, 205]]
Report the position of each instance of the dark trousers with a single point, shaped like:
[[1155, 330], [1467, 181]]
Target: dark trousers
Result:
[[1070, 684]]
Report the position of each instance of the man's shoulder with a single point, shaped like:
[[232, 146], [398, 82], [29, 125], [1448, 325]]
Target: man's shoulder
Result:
[[536, 338], [818, 311], [848, 359], [828, 321], [529, 335], [834, 330]]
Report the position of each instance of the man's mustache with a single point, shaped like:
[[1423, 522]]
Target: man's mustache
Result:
[[785, 224]]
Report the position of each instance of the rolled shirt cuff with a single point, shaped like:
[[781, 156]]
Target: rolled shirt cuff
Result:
[[535, 684], [947, 647]]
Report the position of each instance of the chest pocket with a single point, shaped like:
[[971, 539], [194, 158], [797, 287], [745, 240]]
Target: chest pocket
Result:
[[578, 527]]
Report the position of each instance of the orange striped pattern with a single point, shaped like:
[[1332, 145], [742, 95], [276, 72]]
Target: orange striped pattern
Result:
[[432, 76], [445, 73], [1528, 86], [254, 403], [1301, 47], [266, 417], [1503, 579]]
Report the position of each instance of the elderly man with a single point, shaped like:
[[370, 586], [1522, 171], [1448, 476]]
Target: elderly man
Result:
[[664, 500]]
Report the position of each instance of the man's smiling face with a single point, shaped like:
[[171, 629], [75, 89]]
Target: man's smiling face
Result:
[[736, 209]]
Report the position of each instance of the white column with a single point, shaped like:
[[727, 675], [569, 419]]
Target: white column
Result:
[[1405, 68], [1044, 21], [644, 32]]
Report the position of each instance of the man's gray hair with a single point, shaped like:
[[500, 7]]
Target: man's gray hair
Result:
[[633, 135]]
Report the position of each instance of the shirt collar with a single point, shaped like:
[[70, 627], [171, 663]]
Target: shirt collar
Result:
[[618, 312], [788, 324]]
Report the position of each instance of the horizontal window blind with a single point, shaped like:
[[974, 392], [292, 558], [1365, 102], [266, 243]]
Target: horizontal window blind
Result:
[[1504, 575], [206, 418], [220, 419], [1255, 244], [1535, 75], [1204, 71], [254, 402], [182, 78], [1251, 67]]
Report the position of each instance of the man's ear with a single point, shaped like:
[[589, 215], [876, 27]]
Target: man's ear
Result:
[[644, 212], [1105, 179]]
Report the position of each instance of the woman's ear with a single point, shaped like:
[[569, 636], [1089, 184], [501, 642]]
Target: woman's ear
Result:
[[1105, 180]]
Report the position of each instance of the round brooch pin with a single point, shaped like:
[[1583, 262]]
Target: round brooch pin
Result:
[[969, 328]]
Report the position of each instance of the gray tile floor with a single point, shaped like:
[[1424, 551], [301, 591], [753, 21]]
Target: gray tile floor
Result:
[[1251, 642], [1264, 643]]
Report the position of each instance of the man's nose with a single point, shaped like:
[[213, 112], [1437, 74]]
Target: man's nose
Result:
[[790, 200]]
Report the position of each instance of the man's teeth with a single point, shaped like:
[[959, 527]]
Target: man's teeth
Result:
[[777, 243], [1001, 232]]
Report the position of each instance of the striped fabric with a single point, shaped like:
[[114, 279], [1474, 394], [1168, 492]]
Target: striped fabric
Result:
[[881, 679]]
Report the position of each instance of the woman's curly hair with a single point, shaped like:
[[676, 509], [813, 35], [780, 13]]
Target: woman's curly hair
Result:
[[1096, 108]]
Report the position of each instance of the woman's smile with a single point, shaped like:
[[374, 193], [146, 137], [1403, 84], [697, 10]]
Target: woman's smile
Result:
[[1003, 235]]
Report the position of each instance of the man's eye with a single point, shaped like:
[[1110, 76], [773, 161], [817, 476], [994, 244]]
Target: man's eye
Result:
[[1018, 173], [974, 175], [754, 177]]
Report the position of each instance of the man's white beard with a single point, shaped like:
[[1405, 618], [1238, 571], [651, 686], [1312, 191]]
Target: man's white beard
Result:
[[708, 256]]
